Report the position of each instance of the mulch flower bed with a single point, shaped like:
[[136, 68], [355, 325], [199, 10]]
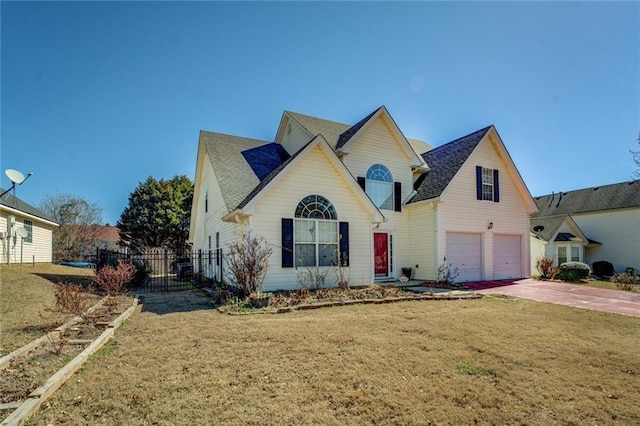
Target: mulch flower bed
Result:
[[287, 301]]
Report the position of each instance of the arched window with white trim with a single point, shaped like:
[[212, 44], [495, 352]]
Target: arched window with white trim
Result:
[[315, 232], [379, 186]]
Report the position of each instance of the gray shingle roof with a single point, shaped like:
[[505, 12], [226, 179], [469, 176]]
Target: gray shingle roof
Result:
[[16, 203], [608, 197], [234, 174], [444, 162], [549, 224], [330, 130], [270, 177]]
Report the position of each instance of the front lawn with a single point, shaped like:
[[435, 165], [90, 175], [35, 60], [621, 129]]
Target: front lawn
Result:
[[488, 361], [26, 291]]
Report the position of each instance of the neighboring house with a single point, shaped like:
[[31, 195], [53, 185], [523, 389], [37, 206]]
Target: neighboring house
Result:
[[104, 238], [25, 232], [588, 225], [362, 190]]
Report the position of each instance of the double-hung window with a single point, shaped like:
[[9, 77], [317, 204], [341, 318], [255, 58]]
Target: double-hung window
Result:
[[28, 226], [316, 232], [487, 184]]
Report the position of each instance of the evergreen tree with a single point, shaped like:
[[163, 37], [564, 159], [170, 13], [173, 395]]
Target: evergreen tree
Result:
[[158, 214]]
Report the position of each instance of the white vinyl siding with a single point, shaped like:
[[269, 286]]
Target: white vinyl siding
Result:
[[424, 259], [281, 201], [377, 144], [619, 234], [210, 222], [17, 250], [461, 211], [294, 137]]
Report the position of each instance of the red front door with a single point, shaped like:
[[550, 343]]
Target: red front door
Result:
[[381, 253]]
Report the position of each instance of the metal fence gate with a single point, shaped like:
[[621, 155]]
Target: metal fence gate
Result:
[[166, 270]]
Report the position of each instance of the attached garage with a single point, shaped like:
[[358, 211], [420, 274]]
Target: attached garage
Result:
[[507, 257], [464, 251]]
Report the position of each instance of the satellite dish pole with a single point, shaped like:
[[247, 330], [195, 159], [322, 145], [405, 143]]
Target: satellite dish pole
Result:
[[22, 233], [16, 178]]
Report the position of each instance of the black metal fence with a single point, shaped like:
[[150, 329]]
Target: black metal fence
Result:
[[166, 270]]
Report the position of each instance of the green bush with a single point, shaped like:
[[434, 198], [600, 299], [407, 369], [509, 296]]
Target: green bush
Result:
[[141, 274], [602, 268], [573, 271]]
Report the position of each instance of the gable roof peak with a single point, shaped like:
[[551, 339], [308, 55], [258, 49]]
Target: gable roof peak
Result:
[[444, 162], [346, 136]]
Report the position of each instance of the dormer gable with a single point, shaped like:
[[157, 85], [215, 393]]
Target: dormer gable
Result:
[[354, 133]]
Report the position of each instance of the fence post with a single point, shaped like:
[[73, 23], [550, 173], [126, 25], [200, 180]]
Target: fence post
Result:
[[166, 270]]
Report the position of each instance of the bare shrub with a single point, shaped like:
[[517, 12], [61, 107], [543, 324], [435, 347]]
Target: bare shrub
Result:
[[547, 269], [312, 277], [627, 282], [248, 262], [342, 271], [72, 300], [447, 273], [114, 281]]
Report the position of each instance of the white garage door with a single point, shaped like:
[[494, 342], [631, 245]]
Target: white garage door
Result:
[[464, 251], [507, 257]]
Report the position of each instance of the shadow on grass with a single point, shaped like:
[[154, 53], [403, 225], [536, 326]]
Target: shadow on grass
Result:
[[83, 280], [175, 302]]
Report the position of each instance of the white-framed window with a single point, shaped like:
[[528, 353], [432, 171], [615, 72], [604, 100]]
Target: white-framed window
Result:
[[315, 232], [562, 255], [575, 254], [28, 226], [379, 186], [487, 184]]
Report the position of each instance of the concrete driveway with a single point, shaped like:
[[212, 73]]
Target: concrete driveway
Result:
[[578, 296]]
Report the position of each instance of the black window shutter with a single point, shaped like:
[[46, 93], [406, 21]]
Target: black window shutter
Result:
[[362, 182], [287, 243], [496, 186], [397, 196], [479, 182], [344, 243]]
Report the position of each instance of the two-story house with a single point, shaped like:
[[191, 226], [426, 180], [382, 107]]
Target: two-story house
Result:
[[366, 192]]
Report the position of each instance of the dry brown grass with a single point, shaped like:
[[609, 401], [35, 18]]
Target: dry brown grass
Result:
[[604, 284], [25, 294], [490, 361]]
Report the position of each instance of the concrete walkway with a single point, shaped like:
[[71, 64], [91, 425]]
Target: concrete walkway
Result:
[[578, 296]]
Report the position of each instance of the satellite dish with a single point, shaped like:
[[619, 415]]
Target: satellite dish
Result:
[[15, 176], [538, 228], [23, 233]]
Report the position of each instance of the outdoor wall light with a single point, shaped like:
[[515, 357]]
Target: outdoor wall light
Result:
[[490, 225]]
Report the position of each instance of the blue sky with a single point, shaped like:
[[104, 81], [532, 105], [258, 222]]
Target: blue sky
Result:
[[95, 97]]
